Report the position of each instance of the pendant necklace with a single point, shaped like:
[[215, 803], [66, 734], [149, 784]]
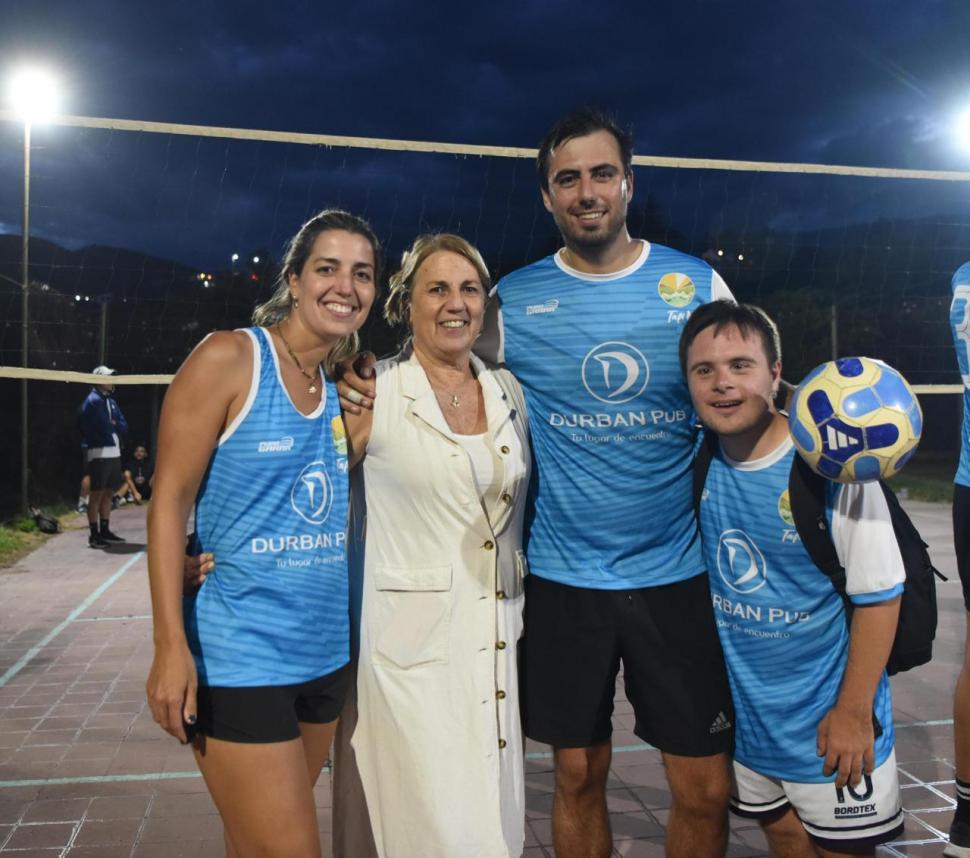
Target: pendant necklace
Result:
[[313, 381], [455, 400]]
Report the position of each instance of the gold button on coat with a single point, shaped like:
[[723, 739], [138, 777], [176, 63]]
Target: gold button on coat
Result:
[[500, 695], [489, 545], [505, 449], [502, 743], [500, 645], [500, 594]]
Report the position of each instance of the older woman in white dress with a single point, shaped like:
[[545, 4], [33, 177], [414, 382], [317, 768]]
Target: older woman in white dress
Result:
[[437, 742]]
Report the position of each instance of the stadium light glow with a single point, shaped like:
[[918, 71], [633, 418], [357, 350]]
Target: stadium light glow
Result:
[[235, 257], [255, 260], [961, 129], [720, 253], [740, 257], [32, 94]]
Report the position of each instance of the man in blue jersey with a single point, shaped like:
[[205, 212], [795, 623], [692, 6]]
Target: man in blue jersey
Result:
[[813, 760], [617, 576], [959, 846], [102, 426]]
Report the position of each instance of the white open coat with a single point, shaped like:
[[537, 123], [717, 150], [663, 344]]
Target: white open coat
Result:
[[437, 740]]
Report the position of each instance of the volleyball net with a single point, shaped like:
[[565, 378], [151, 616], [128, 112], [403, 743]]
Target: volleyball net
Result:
[[145, 236]]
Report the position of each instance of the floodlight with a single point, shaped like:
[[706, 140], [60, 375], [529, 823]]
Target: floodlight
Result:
[[33, 95], [961, 129]]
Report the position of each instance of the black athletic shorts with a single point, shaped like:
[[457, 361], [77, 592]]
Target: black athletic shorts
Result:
[[270, 713], [105, 474], [673, 667], [961, 537]]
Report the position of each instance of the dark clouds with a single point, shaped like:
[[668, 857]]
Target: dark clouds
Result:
[[713, 79], [861, 82]]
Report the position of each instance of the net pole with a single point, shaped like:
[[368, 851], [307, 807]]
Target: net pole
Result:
[[24, 334]]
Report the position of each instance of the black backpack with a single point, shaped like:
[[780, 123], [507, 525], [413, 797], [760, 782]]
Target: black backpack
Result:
[[44, 522], [913, 645]]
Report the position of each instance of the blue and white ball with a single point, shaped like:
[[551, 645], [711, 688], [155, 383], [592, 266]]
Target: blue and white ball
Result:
[[855, 419]]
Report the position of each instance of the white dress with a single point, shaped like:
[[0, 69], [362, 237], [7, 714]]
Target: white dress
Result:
[[437, 745]]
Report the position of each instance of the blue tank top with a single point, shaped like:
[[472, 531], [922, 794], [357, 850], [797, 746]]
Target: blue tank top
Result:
[[272, 507], [960, 325]]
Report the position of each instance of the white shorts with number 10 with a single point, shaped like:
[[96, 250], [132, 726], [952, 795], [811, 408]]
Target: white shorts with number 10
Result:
[[868, 812]]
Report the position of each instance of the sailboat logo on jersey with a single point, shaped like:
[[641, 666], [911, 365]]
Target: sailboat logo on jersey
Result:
[[615, 372], [740, 562], [312, 493]]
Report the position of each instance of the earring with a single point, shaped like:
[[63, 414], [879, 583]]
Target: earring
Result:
[[295, 300]]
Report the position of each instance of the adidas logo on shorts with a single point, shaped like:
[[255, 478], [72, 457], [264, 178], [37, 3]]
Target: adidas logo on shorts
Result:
[[720, 724]]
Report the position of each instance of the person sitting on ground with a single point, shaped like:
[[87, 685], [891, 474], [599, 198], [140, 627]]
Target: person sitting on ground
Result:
[[139, 473]]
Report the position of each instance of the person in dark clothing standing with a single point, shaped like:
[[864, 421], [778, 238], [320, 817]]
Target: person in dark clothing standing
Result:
[[102, 425]]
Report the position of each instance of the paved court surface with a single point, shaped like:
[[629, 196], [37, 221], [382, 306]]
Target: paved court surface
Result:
[[84, 771]]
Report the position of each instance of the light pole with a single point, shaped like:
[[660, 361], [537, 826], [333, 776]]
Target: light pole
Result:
[[32, 94]]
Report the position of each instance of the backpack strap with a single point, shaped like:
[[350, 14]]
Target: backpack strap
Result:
[[806, 493], [702, 464]]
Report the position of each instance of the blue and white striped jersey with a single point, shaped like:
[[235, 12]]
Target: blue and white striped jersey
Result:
[[273, 509], [609, 414], [781, 622], [960, 325]]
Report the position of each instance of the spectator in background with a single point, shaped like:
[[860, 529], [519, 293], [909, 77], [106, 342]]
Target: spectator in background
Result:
[[138, 475], [102, 425], [84, 490]]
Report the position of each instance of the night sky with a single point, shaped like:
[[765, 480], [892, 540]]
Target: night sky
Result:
[[862, 83], [856, 82]]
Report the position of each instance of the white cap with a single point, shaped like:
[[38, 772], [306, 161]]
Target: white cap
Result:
[[102, 370]]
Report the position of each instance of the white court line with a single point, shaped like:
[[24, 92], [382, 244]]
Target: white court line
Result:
[[28, 656]]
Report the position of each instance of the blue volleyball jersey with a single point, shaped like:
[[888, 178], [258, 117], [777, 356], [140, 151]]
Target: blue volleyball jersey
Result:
[[960, 325], [273, 509], [781, 622], [609, 414]]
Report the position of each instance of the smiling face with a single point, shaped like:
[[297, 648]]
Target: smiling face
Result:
[[447, 306], [731, 381], [588, 192], [336, 287]]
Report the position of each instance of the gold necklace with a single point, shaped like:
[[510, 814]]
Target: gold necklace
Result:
[[313, 381]]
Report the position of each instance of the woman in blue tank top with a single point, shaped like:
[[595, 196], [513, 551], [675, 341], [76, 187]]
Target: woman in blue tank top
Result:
[[253, 666]]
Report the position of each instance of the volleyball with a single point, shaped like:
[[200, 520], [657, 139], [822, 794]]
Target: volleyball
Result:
[[855, 419]]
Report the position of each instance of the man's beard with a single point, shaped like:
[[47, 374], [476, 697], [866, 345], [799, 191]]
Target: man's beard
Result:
[[597, 240]]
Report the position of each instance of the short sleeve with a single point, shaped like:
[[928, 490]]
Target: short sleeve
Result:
[[719, 289], [865, 541], [490, 345]]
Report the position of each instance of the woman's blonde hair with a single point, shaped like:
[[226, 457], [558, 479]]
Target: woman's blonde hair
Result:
[[397, 307], [280, 304]]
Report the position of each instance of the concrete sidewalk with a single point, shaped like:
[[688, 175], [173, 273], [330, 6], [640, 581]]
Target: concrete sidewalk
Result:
[[84, 771]]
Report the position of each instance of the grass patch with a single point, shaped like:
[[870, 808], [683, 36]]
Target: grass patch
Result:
[[16, 543], [20, 536]]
